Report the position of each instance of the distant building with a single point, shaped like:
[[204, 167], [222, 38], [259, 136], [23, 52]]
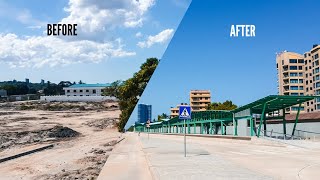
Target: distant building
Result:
[[298, 75], [199, 99], [174, 111], [85, 89], [42, 82], [27, 80], [144, 113], [3, 93]]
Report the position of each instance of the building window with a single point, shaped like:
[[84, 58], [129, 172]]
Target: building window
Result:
[[300, 74], [294, 67], [301, 94], [68, 91], [94, 91], [293, 80], [293, 87], [317, 84], [80, 90], [301, 87], [294, 94], [317, 62], [300, 80], [300, 61], [87, 90], [74, 90], [293, 61], [294, 108], [300, 67], [316, 70], [294, 74], [316, 56]]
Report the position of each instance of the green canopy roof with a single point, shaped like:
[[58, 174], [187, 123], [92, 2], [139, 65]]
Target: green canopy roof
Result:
[[273, 103]]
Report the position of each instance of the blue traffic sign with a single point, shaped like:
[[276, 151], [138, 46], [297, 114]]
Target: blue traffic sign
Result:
[[184, 112]]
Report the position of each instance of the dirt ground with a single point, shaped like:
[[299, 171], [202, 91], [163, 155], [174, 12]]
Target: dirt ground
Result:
[[83, 135]]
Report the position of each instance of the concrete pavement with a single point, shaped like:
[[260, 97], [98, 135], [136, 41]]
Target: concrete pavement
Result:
[[162, 157], [127, 161]]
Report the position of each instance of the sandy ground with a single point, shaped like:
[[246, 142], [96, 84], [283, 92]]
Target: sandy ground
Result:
[[76, 157]]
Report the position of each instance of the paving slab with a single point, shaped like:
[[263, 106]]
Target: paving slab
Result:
[[167, 161], [127, 161]]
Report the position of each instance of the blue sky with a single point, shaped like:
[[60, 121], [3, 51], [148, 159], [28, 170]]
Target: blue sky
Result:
[[202, 55], [114, 38]]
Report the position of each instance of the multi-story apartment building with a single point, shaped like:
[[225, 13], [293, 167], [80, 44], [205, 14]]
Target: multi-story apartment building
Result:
[[174, 111], [144, 113], [298, 75], [199, 99]]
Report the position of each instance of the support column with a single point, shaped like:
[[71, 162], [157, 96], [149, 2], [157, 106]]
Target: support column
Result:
[[211, 130], [236, 127], [261, 118], [265, 126], [222, 128], [251, 127], [297, 118], [176, 128], [284, 121], [201, 128]]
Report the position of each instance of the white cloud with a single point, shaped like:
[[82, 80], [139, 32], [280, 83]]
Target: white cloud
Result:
[[39, 51], [94, 16], [160, 38], [138, 34]]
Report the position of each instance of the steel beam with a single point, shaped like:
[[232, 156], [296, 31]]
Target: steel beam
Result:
[[261, 118], [297, 118], [251, 127], [284, 121]]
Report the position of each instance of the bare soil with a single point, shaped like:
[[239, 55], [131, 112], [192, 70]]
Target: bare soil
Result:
[[83, 135]]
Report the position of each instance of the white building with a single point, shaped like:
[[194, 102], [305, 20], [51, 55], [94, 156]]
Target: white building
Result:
[[85, 89]]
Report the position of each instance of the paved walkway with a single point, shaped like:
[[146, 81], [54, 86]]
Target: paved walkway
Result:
[[167, 161], [162, 157], [127, 161]]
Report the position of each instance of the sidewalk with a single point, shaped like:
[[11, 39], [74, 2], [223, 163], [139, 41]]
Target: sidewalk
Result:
[[127, 161], [167, 161]]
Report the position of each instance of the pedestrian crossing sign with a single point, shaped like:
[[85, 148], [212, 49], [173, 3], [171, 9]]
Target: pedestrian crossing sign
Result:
[[184, 112]]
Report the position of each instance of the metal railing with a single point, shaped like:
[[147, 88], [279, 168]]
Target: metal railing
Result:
[[279, 135], [308, 134]]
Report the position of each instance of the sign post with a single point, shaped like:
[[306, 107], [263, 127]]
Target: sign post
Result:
[[185, 114], [148, 126]]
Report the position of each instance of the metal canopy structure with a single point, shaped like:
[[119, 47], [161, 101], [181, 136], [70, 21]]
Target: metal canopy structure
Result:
[[214, 119], [273, 103]]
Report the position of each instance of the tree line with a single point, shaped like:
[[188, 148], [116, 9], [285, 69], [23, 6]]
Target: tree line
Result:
[[128, 92]]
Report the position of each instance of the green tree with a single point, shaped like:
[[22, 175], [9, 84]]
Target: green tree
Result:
[[130, 90], [227, 105], [162, 116]]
